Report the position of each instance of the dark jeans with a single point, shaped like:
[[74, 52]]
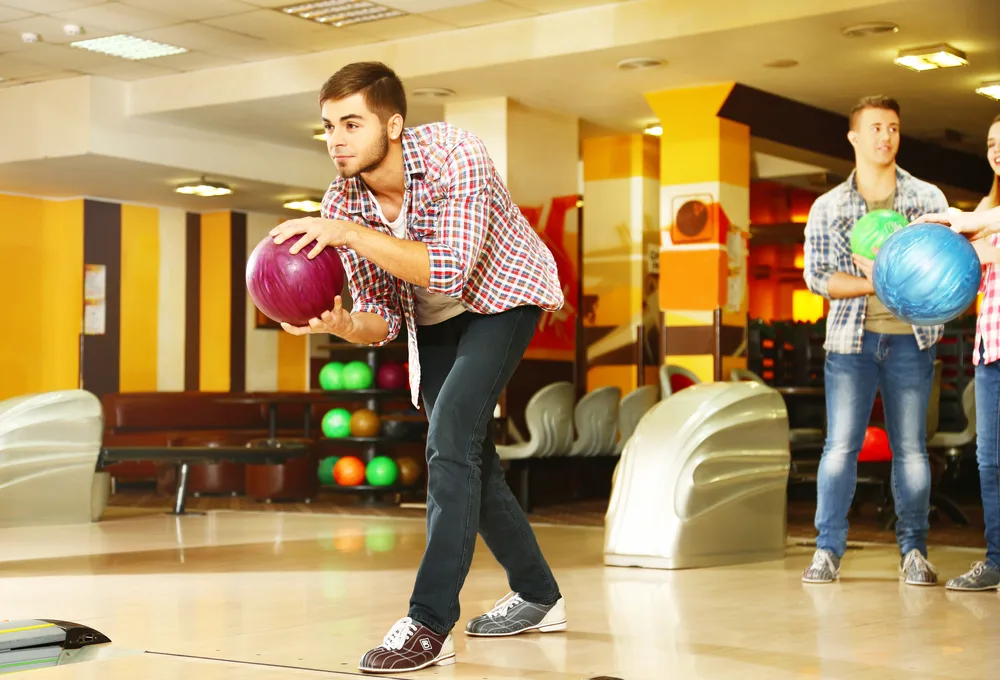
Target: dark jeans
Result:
[[465, 363], [896, 366], [988, 453]]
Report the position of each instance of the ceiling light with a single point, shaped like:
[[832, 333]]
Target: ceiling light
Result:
[[435, 92], [990, 89], [636, 63], [932, 57], [342, 12], [320, 135], [654, 130], [305, 205], [204, 188], [874, 28], [128, 47]]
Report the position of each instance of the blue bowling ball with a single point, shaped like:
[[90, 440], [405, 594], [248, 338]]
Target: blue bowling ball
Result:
[[926, 274]]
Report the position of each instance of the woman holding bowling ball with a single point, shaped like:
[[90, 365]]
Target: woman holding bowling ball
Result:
[[982, 227]]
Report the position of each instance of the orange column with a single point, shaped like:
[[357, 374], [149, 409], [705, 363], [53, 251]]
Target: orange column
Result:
[[704, 222]]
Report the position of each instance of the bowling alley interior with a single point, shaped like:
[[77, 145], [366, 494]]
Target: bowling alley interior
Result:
[[163, 436]]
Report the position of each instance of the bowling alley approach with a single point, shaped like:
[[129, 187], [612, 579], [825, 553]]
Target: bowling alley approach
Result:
[[499, 339]]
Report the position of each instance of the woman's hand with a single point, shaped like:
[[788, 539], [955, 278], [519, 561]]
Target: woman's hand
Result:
[[974, 225], [324, 232]]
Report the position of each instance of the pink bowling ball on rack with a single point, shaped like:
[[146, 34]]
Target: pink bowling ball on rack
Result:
[[392, 376]]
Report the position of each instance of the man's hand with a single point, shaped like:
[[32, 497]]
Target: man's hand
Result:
[[324, 232], [336, 322], [864, 264]]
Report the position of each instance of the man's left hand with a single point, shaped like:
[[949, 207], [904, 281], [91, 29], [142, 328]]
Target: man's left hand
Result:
[[864, 264], [324, 232]]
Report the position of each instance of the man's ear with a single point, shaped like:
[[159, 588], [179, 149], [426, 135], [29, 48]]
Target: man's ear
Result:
[[395, 127], [852, 137]]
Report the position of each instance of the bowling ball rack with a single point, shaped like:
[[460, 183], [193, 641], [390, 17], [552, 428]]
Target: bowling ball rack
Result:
[[369, 447]]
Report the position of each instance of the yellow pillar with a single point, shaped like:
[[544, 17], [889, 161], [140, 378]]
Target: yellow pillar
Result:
[[704, 218], [620, 305]]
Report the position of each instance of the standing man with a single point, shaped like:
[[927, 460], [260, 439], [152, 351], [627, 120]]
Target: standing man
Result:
[[867, 349], [430, 238]]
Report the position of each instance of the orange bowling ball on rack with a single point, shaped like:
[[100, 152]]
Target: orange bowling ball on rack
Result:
[[365, 423], [349, 471]]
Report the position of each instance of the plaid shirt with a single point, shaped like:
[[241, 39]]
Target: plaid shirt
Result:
[[482, 249], [988, 323], [828, 250]]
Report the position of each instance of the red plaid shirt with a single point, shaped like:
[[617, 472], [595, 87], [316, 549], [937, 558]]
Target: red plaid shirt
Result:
[[988, 323], [482, 249]]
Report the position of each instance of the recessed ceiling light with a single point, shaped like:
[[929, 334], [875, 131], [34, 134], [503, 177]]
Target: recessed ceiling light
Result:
[[436, 92], [873, 28], [636, 63], [128, 47], [990, 89], [304, 204], [204, 188], [654, 130], [341, 12], [781, 63], [930, 58]]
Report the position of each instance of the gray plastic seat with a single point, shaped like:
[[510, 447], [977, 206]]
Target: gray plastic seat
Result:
[[549, 417], [631, 410], [596, 419]]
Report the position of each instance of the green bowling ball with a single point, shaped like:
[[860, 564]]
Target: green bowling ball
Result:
[[337, 423], [871, 231], [381, 471], [325, 471], [357, 375], [331, 376]]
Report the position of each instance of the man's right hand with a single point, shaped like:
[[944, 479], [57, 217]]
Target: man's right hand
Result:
[[335, 322]]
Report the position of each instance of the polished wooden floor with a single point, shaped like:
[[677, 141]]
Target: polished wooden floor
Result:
[[268, 595]]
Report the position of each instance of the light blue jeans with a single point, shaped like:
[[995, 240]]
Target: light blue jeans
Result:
[[988, 453], [896, 366]]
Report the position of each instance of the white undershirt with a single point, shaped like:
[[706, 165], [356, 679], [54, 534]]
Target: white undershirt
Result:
[[431, 308]]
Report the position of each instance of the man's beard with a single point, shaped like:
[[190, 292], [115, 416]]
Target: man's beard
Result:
[[372, 161]]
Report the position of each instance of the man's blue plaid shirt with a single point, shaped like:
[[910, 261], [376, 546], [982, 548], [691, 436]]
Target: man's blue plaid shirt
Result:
[[828, 250]]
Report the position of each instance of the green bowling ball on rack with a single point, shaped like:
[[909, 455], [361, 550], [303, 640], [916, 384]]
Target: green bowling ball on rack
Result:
[[337, 423], [325, 471], [357, 375], [381, 471], [331, 376]]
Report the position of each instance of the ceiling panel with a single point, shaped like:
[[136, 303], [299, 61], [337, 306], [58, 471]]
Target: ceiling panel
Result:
[[50, 29], [267, 24], [195, 61], [420, 6], [205, 38], [118, 17], [47, 6], [9, 13], [480, 13], [131, 70], [401, 27], [270, 3], [12, 66], [548, 6], [192, 10], [59, 56]]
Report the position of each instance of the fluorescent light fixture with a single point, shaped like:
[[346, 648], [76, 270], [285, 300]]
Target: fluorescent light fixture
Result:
[[932, 57], [128, 47], [305, 205], [654, 130], [320, 135], [204, 188], [432, 92], [342, 12], [990, 89]]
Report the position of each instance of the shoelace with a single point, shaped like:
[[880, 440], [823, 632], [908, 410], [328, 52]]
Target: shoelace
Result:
[[822, 560], [399, 634], [504, 605], [978, 568], [915, 556]]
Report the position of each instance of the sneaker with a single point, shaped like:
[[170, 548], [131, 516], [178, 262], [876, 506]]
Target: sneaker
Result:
[[513, 615], [409, 646], [982, 576], [825, 568], [916, 570]]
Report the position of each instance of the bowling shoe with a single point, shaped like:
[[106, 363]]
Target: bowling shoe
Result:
[[513, 615], [409, 646]]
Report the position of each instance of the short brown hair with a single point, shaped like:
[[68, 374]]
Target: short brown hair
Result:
[[379, 85], [874, 102]]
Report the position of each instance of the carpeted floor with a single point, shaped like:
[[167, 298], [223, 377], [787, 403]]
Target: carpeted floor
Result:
[[865, 526]]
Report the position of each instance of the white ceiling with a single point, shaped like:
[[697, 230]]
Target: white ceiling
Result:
[[218, 32]]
